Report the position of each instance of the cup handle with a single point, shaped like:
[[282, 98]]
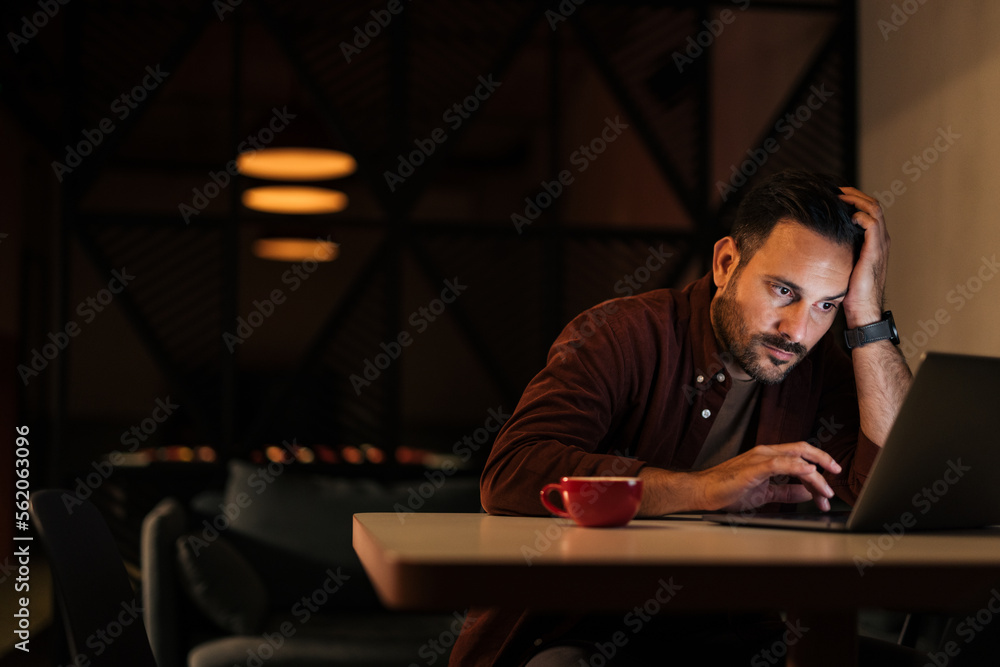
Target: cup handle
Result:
[[546, 490]]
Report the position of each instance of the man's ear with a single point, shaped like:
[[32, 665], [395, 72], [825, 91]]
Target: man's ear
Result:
[[724, 260]]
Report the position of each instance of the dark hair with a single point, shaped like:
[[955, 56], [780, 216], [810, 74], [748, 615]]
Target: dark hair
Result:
[[807, 198]]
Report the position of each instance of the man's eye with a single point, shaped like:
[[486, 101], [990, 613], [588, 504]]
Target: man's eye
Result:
[[828, 307], [781, 290]]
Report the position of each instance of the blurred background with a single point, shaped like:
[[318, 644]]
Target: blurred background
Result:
[[538, 158], [516, 162]]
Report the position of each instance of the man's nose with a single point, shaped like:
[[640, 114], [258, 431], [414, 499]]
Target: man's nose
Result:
[[794, 321]]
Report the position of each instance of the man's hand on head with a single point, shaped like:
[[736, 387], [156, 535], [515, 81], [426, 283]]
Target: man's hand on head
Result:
[[864, 300], [880, 369]]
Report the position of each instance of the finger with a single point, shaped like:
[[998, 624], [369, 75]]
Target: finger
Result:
[[851, 191], [818, 456], [869, 213], [797, 493], [860, 200], [817, 484], [776, 466], [824, 460], [806, 472], [868, 219], [808, 452], [790, 493]]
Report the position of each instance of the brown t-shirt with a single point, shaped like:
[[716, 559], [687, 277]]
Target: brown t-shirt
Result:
[[725, 438]]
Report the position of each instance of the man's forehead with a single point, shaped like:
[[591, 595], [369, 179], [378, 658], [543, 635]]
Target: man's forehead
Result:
[[790, 236], [796, 253]]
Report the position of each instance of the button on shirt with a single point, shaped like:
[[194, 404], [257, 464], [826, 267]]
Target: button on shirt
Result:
[[729, 428]]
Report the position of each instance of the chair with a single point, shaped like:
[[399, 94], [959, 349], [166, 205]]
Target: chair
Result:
[[100, 611], [104, 623], [353, 637], [160, 530]]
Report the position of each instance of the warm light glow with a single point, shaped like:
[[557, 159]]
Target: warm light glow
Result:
[[304, 455], [296, 250], [352, 454], [296, 164], [174, 453], [133, 459], [275, 454], [413, 455], [294, 199], [185, 454], [205, 454], [373, 453]]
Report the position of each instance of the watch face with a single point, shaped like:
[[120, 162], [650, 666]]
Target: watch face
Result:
[[893, 333]]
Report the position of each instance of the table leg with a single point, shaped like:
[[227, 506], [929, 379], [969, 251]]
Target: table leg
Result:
[[822, 639]]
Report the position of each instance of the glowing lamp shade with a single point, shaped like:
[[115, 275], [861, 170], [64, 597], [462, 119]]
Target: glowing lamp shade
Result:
[[295, 250], [294, 199], [296, 164]]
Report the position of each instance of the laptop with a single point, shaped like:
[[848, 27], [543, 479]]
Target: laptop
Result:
[[940, 466]]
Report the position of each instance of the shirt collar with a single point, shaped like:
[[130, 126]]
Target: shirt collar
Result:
[[708, 356]]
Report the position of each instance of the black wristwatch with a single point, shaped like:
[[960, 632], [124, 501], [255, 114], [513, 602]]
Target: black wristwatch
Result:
[[884, 329]]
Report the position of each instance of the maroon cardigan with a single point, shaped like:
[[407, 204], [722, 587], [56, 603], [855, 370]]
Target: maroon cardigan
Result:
[[631, 382]]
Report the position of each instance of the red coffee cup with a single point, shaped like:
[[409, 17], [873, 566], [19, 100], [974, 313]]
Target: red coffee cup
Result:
[[595, 501]]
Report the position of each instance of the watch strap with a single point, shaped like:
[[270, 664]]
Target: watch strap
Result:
[[870, 333]]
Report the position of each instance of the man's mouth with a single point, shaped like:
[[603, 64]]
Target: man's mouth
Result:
[[778, 355]]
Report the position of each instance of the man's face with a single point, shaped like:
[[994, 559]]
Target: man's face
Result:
[[769, 312]]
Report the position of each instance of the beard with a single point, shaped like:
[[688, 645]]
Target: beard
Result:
[[748, 350]]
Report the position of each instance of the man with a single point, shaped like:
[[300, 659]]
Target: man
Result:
[[709, 395]]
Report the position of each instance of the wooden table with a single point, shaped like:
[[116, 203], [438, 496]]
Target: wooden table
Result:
[[453, 561]]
